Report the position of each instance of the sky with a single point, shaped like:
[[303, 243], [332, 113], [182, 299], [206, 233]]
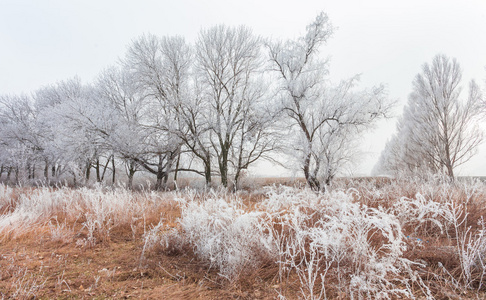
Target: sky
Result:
[[386, 41]]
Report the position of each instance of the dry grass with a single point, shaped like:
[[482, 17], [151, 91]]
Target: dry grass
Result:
[[85, 243]]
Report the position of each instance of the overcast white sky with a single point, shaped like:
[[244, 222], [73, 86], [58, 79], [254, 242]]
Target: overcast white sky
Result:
[[387, 41]]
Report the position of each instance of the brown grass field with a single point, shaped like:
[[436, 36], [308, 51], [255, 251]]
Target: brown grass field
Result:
[[73, 248]]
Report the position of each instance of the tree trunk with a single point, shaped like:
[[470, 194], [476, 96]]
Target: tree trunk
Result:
[[177, 167], [27, 169], [160, 174], [158, 183], [105, 167], [207, 173], [97, 168], [450, 171], [75, 181], [131, 173], [168, 167], [46, 171], [237, 177], [9, 172], [113, 174], [312, 181], [88, 171], [131, 170], [17, 175], [223, 166]]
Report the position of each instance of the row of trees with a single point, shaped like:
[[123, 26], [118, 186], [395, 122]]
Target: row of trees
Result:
[[212, 108], [438, 130]]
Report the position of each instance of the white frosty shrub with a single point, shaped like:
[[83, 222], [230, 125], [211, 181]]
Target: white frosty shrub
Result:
[[225, 235], [6, 195], [100, 210], [422, 214], [319, 234], [31, 208], [161, 235]]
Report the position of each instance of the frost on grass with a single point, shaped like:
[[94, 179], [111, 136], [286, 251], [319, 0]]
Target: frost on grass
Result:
[[225, 235], [347, 242], [96, 210], [330, 238], [323, 239]]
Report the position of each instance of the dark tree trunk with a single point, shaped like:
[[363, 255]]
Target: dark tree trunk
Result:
[[160, 174], [113, 174], [223, 165], [163, 173], [311, 179], [9, 172], [17, 175], [177, 167], [207, 173], [237, 177], [27, 169], [450, 171], [46, 171], [97, 168], [168, 167], [158, 183], [131, 173], [88, 171], [105, 167]]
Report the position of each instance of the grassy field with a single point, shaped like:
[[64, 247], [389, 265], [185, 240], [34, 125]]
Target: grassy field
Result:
[[363, 238]]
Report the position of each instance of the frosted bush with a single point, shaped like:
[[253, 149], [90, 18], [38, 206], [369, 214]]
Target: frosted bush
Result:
[[100, 210], [422, 214], [225, 236], [283, 197], [472, 256], [6, 194], [470, 245], [30, 209], [322, 233]]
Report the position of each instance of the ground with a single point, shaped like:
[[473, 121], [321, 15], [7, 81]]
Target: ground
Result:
[[92, 244], [112, 270]]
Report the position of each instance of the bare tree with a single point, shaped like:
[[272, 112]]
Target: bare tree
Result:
[[322, 118], [81, 123], [441, 129], [21, 143], [160, 66], [118, 87], [229, 66], [195, 131]]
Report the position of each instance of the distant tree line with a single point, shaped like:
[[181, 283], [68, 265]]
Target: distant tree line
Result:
[[217, 106], [439, 129]]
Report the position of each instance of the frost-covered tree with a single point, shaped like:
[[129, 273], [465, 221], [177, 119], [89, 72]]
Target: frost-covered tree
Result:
[[117, 86], [321, 119], [229, 70], [195, 133], [160, 68], [438, 130], [21, 139], [79, 122]]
